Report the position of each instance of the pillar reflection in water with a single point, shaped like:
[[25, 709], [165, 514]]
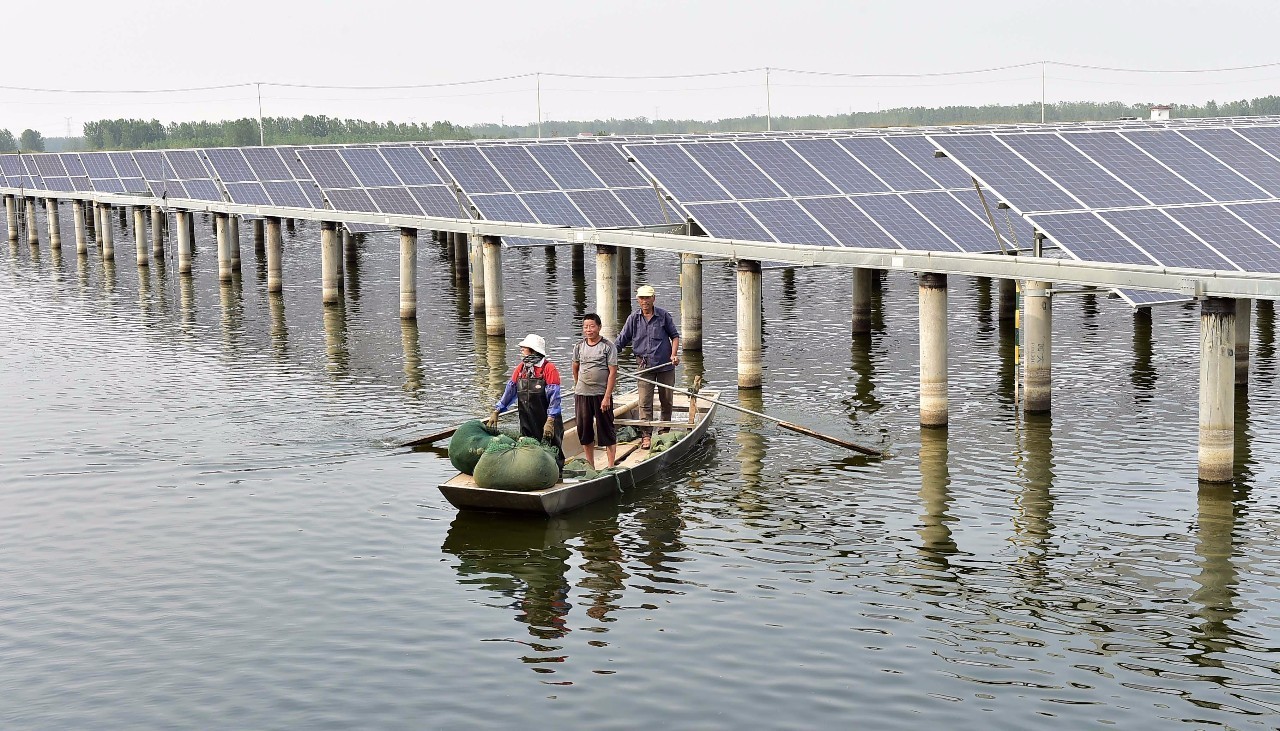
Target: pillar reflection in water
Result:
[[496, 354], [1244, 462], [232, 310], [692, 363], [1264, 349], [1032, 522], [335, 340], [1218, 506], [144, 290], [1089, 310], [751, 450], [579, 289], [863, 398], [409, 344], [1006, 367], [982, 304], [108, 279], [1143, 376], [279, 328], [352, 245], [936, 544], [187, 301]]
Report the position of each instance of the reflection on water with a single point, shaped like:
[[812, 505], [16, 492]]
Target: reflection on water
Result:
[[1216, 516], [412, 356], [1264, 347], [751, 449], [936, 543], [1032, 522], [1143, 375], [862, 363], [279, 329], [336, 352]]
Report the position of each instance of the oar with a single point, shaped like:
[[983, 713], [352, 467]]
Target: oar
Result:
[[446, 433], [784, 424]]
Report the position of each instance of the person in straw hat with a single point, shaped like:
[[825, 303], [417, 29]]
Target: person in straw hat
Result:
[[535, 387]]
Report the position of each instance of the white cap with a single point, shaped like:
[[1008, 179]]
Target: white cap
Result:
[[646, 291], [535, 343]]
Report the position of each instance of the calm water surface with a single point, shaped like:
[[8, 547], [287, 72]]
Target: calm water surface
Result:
[[205, 521]]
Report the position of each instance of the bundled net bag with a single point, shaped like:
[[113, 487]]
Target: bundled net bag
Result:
[[663, 442], [628, 434], [468, 443], [523, 466], [578, 467]]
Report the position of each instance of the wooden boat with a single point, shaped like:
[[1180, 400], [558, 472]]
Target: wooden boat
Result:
[[635, 464]]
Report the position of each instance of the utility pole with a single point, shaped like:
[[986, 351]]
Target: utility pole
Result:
[[539, 89], [768, 102], [1042, 63], [262, 132]]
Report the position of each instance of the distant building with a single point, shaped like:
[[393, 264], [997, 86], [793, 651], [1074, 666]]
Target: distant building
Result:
[[1160, 112]]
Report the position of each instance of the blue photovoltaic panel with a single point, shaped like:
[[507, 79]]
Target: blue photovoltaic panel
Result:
[[1147, 176], [110, 185], [609, 163], [904, 223], [470, 169], [49, 166], [848, 223], [1263, 216], [1016, 230], [187, 165], [1162, 238], [290, 157], [395, 200], [249, 194], [154, 166], [1240, 155], [229, 165], [1146, 298], [370, 169], [1086, 237], [437, 200], [1069, 168], [411, 166], [785, 165], [96, 164], [728, 221], [202, 190], [328, 168], [837, 165], [789, 223], [81, 183], [1196, 165], [71, 161], [350, 199], [565, 167], [1268, 138], [967, 230], [1004, 172], [554, 208], [266, 164], [920, 151], [62, 183], [502, 207], [1250, 250], [649, 207], [175, 189], [678, 173], [733, 170], [125, 165], [888, 164], [286, 193], [602, 208], [518, 167]]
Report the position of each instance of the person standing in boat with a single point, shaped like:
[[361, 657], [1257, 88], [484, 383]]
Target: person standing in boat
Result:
[[535, 387], [655, 340], [595, 371]]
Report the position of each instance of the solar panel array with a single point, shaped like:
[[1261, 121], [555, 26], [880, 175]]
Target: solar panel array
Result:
[[1204, 198], [868, 192]]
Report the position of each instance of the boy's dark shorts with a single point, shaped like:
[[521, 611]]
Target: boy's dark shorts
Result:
[[595, 427]]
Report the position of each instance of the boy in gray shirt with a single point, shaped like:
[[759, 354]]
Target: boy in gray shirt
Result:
[[595, 371]]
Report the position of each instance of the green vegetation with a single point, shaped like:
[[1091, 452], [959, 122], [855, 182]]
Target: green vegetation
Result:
[[31, 141], [7, 143], [129, 134]]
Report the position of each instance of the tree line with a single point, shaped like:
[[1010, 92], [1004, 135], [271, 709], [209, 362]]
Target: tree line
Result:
[[133, 134]]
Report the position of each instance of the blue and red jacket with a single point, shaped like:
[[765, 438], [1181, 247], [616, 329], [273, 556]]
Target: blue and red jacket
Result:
[[548, 372]]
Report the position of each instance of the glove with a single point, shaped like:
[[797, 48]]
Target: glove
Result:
[[492, 421], [549, 429]]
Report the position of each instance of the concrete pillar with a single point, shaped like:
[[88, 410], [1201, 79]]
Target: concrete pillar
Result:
[[461, 259], [234, 242], [274, 250], [1244, 324], [495, 323], [191, 231], [108, 234], [624, 274], [55, 226], [140, 234], [860, 319], [157, 233], [330, 263], [475, 248], [349, 251], [750, 335], [33, 234], [182, 222], [1007, 303], [222, 227], [259, 238], [607, 290], [933, 349], [690, 302], [82, 236], [1217, 388], [1037, 348], [408, 274], [11, 215]]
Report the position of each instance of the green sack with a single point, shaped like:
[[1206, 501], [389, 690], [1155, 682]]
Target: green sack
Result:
[[578, 467], [468, 443], [627, 434], [523, 466], [663, 442]]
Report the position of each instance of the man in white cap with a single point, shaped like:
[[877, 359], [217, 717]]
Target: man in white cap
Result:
[[655, 340], [535, 386]]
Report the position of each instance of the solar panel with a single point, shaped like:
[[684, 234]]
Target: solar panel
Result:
[[1150, 178], [838, 166], [649, 206], [1240, 155], [848, 223], [502, 207], [1012, 178], [328, 168], [470, 169], [411, 166], [350, 199], [905, 223], [554, 208], [395, 201], [250, 194], [565, 167], [609, 164], [287, 193], [1200, 168], [787, 168], [370, 169], [266, 164], [229, 165], [519, 169], [728, 220], [888, 164], [1147, 298], [969, 232], [789, 222], [920, 151], [1164, 240], [678, 173], [1069, 167], [602, 208], [734, 171], [1238, 241], [437, 200], [1086, 237]]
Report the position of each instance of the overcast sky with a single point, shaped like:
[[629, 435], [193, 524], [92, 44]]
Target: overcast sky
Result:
[[85, 47]]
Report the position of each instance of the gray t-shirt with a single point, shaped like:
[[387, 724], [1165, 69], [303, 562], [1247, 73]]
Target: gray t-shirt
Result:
[[593, 366]]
